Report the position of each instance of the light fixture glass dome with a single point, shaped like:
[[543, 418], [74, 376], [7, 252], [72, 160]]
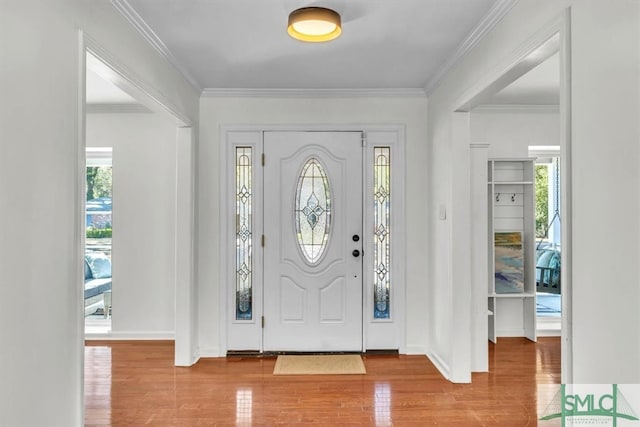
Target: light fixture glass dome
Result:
[[314, 24]]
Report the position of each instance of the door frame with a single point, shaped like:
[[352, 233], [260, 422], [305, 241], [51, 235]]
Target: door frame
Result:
[[246, 335], [111, 69], [506, 72]]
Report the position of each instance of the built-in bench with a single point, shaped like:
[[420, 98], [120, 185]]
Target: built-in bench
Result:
[[97, 283]]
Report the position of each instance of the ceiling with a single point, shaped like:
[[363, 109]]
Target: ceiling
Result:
[[385, 44]]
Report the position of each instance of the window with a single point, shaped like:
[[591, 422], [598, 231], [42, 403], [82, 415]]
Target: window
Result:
[[313, 211], [244, 265], [382, 231]]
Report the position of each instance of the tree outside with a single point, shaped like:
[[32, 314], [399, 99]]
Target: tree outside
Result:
[[99, 180], [542, 200]]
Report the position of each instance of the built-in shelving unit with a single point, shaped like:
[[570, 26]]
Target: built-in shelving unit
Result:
[[511, 204]]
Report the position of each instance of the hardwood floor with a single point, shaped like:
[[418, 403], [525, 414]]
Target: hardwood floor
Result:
[[135, 383]]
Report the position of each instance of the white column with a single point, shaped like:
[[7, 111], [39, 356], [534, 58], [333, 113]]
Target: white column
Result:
[[186, 307], [479, 257]]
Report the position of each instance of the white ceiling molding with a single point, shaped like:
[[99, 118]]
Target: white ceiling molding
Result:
[[150, 36], [313, 93], [106, 66], [490, 20], [117, 109], [517, 108]]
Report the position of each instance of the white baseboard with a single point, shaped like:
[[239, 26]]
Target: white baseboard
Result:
[[414, 349], [549, 326], [138, 335], [210, 352], [510, 333], [439, 364]]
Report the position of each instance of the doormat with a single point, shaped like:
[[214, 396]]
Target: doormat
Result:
[[330, 364]]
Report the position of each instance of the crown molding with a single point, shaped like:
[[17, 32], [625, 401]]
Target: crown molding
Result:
[[517, 108], [152, 38], [490, 20], [117, 109], [313, 93]]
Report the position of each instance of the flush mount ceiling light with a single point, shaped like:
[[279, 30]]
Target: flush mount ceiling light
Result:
[[314, 24]]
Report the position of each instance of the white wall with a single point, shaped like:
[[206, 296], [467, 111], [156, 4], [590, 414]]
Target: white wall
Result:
[[144, 173], [604, 124], [509, 134], [216, 112], [41, 302]]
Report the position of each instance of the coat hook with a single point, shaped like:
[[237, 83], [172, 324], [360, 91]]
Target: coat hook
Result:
[[498, 197], [513, 198]]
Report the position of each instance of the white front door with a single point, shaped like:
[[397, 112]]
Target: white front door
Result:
[[313, 241]]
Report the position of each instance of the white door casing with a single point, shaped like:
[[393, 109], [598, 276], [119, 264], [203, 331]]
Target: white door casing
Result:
[[247, 334], [313, 294]]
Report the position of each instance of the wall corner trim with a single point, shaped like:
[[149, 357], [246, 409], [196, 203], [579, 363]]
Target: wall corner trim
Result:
[[130, 14], [488, 22]]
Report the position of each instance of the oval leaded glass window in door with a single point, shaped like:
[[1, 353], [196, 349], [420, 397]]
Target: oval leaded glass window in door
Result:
[[313, 211]]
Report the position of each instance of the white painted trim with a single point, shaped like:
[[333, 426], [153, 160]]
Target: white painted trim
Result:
[[130, 14], [117, 109], [414, 350], [313, 93], [479, 211], [549, 326], [226, 270], [544, 43], [440, 365], [111, 69], [459, 271], [211, 352], [249, 332], [566, 350], [138, 335], [396, 325], [79, 234], [517, 108], [185, 292], [104, 64], [545, 38], [488, 22]]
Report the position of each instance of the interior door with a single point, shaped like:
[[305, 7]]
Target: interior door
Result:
[[313, 241]]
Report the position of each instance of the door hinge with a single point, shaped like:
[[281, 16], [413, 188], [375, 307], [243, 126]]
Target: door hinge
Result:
[[262, 320], [262, 241], [262, 159], [364, 139]]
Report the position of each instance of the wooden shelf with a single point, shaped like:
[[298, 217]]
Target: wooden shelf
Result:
[[514, 295], [511, 182]]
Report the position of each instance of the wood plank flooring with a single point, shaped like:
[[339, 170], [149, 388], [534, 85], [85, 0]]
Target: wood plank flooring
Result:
[[135, 383]]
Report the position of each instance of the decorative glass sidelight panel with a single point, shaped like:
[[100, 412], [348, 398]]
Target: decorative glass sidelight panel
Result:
[[244, 265], [313, 211], [382, 231]]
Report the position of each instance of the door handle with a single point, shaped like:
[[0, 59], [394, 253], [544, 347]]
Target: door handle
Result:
[[355, 253], [355, 238]]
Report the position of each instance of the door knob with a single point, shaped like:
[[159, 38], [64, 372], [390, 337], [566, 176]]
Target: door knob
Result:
[[355, 253], [355, 238]]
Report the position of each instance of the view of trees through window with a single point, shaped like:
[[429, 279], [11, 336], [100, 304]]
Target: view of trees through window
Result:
[[98, 222], [542, 200], [98, 182]]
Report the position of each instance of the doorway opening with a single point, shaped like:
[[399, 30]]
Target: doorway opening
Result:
[[152, 243], [529, 102]]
